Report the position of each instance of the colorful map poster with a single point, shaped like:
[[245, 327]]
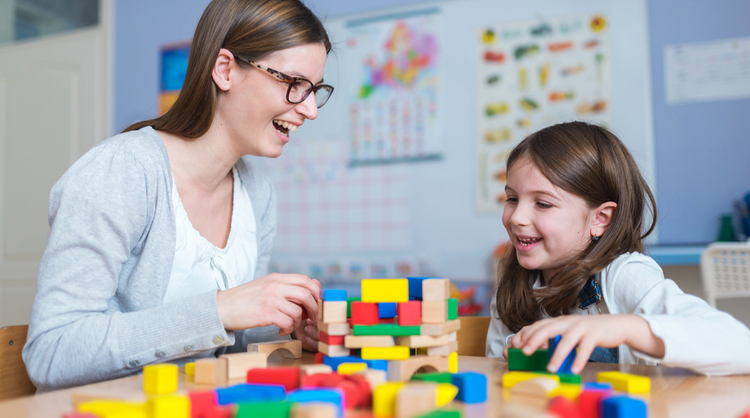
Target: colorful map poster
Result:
[[531, 75], [394, 108]]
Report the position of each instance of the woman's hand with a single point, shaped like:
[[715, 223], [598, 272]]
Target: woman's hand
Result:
[[587, 332], [307, 333], [276, 299]]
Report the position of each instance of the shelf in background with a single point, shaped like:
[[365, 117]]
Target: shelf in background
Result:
[[687, 255]]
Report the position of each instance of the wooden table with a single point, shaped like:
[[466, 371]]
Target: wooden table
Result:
[[674, 392]]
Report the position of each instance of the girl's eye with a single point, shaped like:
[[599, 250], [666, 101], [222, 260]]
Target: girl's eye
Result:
[[544, 205], [511, 200]]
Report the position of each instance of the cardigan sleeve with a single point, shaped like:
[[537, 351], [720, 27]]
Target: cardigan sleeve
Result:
[[695, 335]]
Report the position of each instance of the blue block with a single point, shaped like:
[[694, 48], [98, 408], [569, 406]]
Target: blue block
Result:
[[597, 386], [623, 407], [334, 396], [246, 392], [472, 387], [333, 295], [386, 310], [565, 366], [372, 364], [415, 287]]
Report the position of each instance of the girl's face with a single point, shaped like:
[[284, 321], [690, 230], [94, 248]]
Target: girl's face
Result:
[[548, 226], [254, 109]]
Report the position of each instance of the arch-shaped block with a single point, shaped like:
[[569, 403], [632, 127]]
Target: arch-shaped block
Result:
[[403, 370], [289, 348]]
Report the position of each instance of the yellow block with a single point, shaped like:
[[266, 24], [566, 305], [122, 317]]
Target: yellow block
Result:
[[511, 378], [384, 399], [625, 382], [568, 390], [397, 352], [445, 393], [350, 368], [190, 369], [385, 290], [453, 362], [160, 379], [169, 406], [114, 409]]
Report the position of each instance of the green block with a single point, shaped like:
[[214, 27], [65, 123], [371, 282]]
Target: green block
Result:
[[264, 409], [349, 305], [387, 329], [536, 362], [434, 377], [439, 413], [567, 378], [452, 309]]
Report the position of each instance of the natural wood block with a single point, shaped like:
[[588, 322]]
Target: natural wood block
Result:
[[537, 387], [359, 341], [440, 329], [334, 329], [416, 398], [385, 290], [290, 348], [333, 350], [375, 377], [443, 350], [452, 336], [310, 369], [434, 312], [313, 410], [334, 312], [205, 371], [436, 290], [235, 366], [417, 341], [403, 370]]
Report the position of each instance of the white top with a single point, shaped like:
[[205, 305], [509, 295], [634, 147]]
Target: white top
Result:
[[696, 336], [199, 266]]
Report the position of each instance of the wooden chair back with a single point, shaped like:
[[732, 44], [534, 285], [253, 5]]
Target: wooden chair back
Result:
[[472, 336], [14, 381]]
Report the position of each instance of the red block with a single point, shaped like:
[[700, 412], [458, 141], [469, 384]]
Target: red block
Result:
[[387, 320], [357, 392], [202, 403], [220, 412], [319, 358], [287, 376], [331, 339], [364, 313], [589, 403], [409, 313], [563, 407]]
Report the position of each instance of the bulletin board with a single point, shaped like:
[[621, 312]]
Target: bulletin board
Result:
[[346, 214]]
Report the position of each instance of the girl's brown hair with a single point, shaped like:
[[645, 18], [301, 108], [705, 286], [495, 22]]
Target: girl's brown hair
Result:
[[251, 29], [590, 162]]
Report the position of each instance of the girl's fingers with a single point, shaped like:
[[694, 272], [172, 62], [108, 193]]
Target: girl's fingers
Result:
[[567, 344], [585, 348]]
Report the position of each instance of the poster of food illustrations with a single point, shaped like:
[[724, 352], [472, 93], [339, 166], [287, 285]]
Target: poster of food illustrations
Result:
[[531, 75]]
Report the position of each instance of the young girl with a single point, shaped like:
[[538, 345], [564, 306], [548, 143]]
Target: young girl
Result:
[[575, 214], [161, 236]]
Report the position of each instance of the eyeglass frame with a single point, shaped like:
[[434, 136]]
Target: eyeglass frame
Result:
[[291, 80]]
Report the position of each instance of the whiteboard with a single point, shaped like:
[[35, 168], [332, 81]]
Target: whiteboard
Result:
[[421, 218]]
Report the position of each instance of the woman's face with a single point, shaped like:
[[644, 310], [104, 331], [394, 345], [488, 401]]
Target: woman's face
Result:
[[256, 104]]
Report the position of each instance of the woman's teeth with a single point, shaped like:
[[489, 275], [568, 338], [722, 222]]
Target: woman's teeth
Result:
[[286, 126]]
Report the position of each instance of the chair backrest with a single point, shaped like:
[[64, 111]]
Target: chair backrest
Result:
[[472, 337], [725, 269], [14, 381]]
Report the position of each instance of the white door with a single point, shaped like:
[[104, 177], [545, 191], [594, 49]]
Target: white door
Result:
[[54, 106]]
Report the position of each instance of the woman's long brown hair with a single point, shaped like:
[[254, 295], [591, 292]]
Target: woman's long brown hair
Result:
[[251, 29], [590, 162]]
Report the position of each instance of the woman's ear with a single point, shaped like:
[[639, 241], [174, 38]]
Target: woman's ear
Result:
[[222, 69], [602, 218]]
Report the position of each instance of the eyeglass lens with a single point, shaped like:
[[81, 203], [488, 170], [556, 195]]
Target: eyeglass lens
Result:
[[300, 90]]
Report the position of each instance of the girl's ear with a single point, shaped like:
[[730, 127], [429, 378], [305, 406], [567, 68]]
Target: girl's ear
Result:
[[602, 218], [222, 69]]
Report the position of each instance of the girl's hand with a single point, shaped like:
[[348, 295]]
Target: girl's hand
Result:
[[587, 332], [276, 299], [307, 333]]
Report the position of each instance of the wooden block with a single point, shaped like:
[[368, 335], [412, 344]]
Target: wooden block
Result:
[[452, 309], [403, 370], [536, 362], [81, 398], [233, 367], [364, 313], [453, 362], [310, 369], [333, 295], [453, 346], [443, 350], [625, 382], [385, 290], [409, 313], [434, 312], [118, 408], [446, 392], [416, 398], [290, 348], [190, 369], [333, 312], [205, 371], [355, 341], [539, 387], [350, 368], [384, 399], [334, 329], [453, 336], [436, 290], [440, 329], [313, 410], [623, 406], [385, 353], [169, 406], [333, 350], [330, 339], [510, 379], [568, 390], [386, 329], [416, 341], [159, 379], [375, 377], [568, 362], [289, 377]]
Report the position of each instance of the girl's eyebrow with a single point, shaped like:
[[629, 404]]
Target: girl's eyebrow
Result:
[[544, 192]]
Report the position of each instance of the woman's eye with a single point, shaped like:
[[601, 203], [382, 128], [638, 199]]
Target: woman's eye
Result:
[[296, 86]]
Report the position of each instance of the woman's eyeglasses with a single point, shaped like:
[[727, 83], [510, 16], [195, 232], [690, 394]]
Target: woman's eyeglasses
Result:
[[299, 88]]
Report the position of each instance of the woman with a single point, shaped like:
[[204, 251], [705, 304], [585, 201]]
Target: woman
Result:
[[160, 236]]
